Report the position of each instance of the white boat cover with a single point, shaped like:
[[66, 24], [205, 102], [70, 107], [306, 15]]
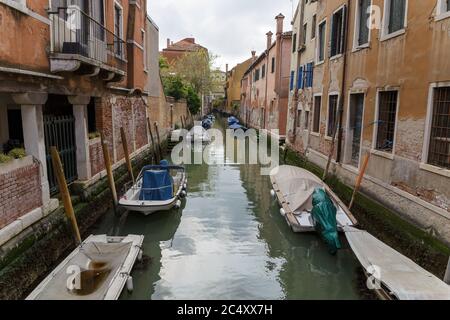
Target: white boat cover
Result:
[[404, 278], [104, 263], [296, 185]]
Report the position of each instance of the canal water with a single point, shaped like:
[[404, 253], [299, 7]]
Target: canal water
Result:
[[229, 241]]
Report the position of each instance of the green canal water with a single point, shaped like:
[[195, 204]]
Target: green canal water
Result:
[[229, 241]]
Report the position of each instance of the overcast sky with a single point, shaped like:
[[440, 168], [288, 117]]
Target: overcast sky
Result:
[[228, 28]]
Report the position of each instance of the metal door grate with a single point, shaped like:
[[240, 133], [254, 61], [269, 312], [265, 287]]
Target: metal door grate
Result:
[[387, 113]]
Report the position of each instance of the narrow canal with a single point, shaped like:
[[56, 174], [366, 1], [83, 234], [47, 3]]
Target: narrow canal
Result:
[[229, 241]]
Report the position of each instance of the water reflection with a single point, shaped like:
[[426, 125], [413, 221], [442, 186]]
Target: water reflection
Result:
[[230, 242]]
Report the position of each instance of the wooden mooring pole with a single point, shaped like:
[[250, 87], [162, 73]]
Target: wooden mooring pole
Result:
[[108, 167], [182, 122], [127, 154], [359, 180], [155, 155], [64, 190], [159, 141]]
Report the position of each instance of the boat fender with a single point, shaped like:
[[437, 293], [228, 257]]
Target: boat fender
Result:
[[272, 193], [141, 253], [130, 287], [282, 212], [183, 194], [178, 204], [185, 186]]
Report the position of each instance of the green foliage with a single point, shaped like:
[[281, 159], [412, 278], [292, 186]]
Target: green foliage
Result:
[[163, 64], [93, 135], [174, 87], [193, 100], [17, 153], [5, 158]]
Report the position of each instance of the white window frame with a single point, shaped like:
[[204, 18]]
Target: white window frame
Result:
[[424, 165], [374, 150], [334, 93], [118, 5], [144, 49], [441, 12], [385, 35], [341, 8], [317, 134], [356, 45], [318, 42], [347, 126]]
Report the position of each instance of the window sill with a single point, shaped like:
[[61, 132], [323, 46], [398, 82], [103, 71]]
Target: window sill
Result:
[[319, 63], [389, 156], [442, 16], [315, 134], [336, 57], [392, 35], [328, 138], [436, 170], [361, 47]]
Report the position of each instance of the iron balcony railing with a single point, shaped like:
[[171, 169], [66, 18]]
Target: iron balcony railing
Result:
[[75, 32]]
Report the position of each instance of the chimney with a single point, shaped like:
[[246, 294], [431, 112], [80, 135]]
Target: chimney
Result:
[[280, 20], [269, 39], [168, 42], [253, 54]]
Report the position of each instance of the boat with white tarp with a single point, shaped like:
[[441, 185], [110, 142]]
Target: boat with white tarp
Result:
[[294, 188], [157, 188], [399, 277], [98, 269]]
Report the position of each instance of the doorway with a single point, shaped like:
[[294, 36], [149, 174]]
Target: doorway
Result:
[[356, 113]]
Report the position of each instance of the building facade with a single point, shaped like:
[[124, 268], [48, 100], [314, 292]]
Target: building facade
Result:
[[177, 50], [233, 86], [381, 86], [67, 74], [265, 84]]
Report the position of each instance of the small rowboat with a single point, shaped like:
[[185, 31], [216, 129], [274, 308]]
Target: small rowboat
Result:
[[98, 269], [294, 188], [157, 188]]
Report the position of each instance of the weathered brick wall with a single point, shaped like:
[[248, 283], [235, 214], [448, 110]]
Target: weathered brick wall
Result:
[[140, 123], [20, 192], [96, 156]]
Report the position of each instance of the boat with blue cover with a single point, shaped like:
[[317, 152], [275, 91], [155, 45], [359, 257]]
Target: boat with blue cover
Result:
[[157, 188], [232, 120]]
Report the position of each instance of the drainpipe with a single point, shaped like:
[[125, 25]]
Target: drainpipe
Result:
[[296, 97], [344, 77]]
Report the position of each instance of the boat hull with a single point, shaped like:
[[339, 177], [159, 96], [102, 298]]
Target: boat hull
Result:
[[149, 209]]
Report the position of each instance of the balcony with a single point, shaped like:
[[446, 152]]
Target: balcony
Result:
[[82, 45]]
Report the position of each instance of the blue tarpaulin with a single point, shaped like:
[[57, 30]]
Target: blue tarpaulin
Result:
[[157, 185], [235, 127], [232, 120]]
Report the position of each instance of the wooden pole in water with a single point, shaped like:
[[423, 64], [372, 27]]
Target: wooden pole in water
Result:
[[65, 195], [155, 156], [182, 122], [359, 180], [159, 141], [447, 273], [109, 172], [127, 154]]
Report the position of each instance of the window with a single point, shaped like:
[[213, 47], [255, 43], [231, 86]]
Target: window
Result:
[[443, 9], [263, 71], [305, 33], [332, 114], [291, 85], [118, 23], [321, 45], [273, 64], [395, 13], [306, 126], [144, 46], [313, 27], [298, 119], [294, 43], [363, 16], [257, 74], [15, 129], [316, 114], [439, 147], [337, 32], [387, 114], [91, 119]]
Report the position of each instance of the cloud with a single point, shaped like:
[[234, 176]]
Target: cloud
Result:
[[230, 29]]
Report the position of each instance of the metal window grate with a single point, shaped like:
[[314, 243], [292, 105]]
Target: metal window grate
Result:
[[439, 149], [387, 113], [332, 110], [316, 115]]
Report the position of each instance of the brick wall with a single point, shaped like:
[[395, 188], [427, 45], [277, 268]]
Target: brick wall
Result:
[[96, 156], [20, 192]]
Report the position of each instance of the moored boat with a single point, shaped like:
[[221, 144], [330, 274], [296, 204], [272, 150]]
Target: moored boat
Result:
[[157, 188], [294, 189]]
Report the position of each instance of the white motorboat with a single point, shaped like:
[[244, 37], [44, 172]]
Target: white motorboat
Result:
[[157, 188], [294, 188]]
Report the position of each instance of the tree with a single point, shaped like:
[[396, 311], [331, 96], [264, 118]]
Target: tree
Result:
[[163, 63], [193, 100], [174, 87]]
